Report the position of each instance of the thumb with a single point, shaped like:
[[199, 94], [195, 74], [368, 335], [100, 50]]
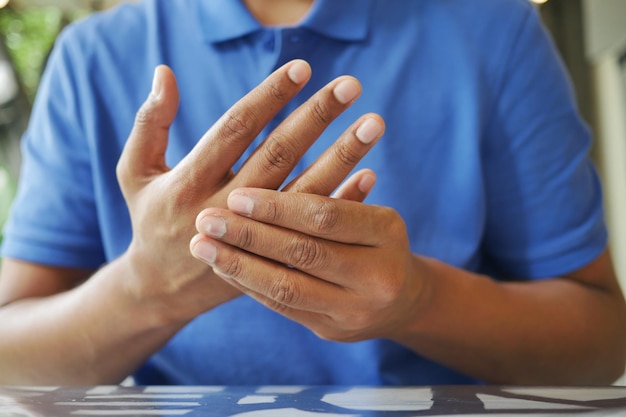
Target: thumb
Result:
[[144, 153]]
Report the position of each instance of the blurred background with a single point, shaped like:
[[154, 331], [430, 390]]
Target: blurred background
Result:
[[590, 35], [28, 29]]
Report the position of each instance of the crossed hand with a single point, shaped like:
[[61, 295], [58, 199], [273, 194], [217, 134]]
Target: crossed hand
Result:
[[334, 264]]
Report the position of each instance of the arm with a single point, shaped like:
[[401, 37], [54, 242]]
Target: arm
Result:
[[355, 278], [56, 331], [59, 331], [565, 330]]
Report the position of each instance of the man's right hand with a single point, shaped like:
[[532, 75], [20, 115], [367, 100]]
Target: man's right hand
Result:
[[164, 201], [46, 312]]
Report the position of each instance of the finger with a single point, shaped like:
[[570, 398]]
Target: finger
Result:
[[228, 138], [332, 167], [283, 286], [325, 259], [144, 152], [319, 316], [357, 187], [339, 220], [279, 153], [310, 319]]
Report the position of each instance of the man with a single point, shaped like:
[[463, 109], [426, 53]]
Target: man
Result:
[[479, 256]]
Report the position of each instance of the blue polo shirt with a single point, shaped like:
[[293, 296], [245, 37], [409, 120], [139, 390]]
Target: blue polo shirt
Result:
[[485, 156]]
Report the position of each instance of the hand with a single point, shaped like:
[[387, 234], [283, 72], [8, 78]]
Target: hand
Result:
[[163, 202], [343, 269]]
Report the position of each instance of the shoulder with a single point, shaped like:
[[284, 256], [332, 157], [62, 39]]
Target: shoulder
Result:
[[121, 22], [493, 10], [477, 24], [117, 46], [124, 28], [469, 12], [490, 19]]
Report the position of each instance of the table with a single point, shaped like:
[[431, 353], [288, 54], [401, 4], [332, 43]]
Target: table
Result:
[[311, 401]]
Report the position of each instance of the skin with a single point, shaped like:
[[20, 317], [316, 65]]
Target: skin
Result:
[[352, 275], [79, 311], [278, 12]]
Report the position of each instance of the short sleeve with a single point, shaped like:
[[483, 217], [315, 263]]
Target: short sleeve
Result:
[[544, 199]]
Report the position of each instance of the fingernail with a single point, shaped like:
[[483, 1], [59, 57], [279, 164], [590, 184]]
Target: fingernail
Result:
[[156, 83], [346, 91], [213, 226], [367, 183], [299, 72], [369, 131], [240, 204], [205, 251]]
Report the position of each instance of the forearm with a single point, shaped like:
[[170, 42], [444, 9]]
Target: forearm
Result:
[[93, 334], [554, 331]]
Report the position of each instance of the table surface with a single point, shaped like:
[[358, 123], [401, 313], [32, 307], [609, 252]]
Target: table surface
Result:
[[311, 401]]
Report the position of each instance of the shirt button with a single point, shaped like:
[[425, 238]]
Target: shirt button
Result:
[[269, 44]]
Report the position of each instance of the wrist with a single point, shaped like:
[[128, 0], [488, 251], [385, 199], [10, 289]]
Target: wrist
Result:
[[171, 291], [424, 279], [144, 291]]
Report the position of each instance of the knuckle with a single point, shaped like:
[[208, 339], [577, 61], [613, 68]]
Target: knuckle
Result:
[[346, 154], [388, 292], [325, 216], [244, 238], [321, 114], [275, 91], [144, 116], [278, 155], [270, 212], [305, 253], [285, 291], [232, 267], [393, 222], [239, 124]]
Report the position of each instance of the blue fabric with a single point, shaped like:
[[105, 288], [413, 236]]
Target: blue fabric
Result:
[[484, 155]]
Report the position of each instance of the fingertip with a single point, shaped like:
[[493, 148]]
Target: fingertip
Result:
[[357, 187], [157, 82], [299, 71], [199, 219], [164, 84], [367, 182], [194, 240], [370, 130], [240, 202], [193, 244], [203, 249], [347, 90], [163, 100]]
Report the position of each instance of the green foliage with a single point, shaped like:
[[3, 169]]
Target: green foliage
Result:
[[7, 192], [29, 34]]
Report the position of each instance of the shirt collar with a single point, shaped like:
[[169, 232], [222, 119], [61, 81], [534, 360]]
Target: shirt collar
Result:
[[346, 20]]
